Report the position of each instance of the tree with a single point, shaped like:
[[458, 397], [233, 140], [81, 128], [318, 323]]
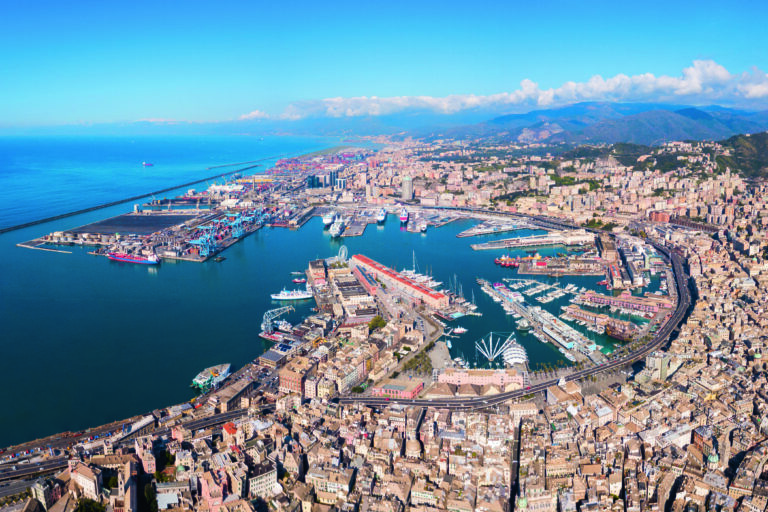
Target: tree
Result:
[[86, 505], [376, 322], [150, 495]]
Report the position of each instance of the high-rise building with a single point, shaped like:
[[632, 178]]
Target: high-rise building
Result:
[[406, 192]]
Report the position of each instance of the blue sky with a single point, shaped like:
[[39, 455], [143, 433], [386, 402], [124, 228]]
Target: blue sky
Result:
[[73, 62]]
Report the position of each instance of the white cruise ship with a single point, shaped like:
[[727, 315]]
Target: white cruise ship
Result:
[[329, 218], [293, 294], [337, 228]]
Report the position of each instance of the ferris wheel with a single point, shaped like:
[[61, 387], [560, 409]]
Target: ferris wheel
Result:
[[343, 253]]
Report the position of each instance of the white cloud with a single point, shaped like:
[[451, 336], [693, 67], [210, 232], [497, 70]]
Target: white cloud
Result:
[[704, 81], [255, 114], [754, 85]]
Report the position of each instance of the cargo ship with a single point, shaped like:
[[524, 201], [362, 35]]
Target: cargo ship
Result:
[[211, 377], [404, 216], [134, 258], [381, 216], [292, 294]]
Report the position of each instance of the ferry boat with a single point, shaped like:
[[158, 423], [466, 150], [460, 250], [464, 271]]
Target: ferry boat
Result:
[[337, 228], [460, 330], [292, 294], [300, 280], [211, 377], [329, 218], [381, 216], [152, 259], [404, 216]]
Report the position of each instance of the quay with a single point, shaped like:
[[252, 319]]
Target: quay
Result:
[[562, 267], [493, 226], [355, 228], [566, 238]]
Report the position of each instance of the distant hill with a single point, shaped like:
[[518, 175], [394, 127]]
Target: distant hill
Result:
[[749, 154], [638, 123]]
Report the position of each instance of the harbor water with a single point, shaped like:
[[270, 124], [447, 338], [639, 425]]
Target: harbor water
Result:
[[87, 341]]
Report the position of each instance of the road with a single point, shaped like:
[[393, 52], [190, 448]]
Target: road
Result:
[[20, 471], [661, 337]]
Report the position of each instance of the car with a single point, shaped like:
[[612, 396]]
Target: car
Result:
[[528, 387]]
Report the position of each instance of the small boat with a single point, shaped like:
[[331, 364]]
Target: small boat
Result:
[[147, 164], [297, 273], [448, 344], [423, 227], [299, 280]]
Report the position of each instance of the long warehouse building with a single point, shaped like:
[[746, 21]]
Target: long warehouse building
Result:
[[394, 279]]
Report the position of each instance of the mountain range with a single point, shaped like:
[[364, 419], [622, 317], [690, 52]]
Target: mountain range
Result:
[[609, 123], [578, 123]]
